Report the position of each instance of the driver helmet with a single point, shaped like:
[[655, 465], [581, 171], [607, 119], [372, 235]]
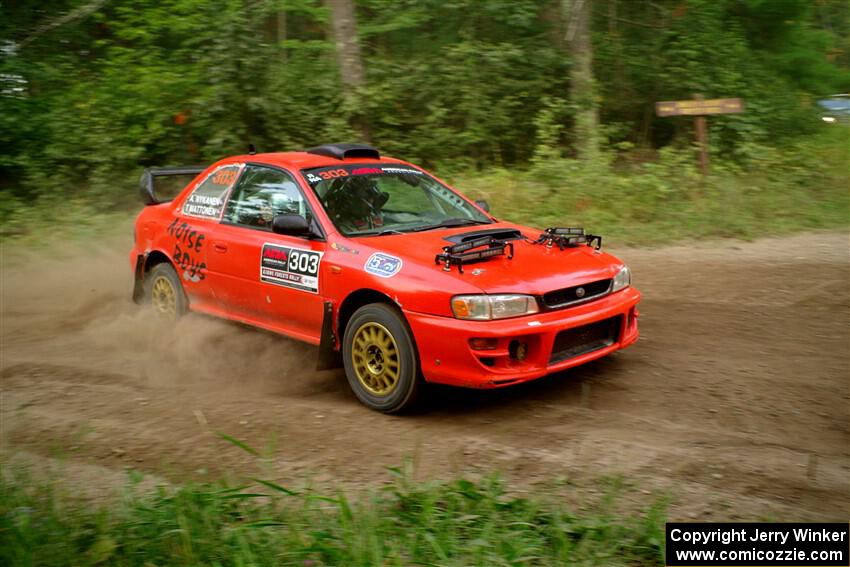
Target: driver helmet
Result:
[[355, 201]]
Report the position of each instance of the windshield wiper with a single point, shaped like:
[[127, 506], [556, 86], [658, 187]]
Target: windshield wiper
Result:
[[381, 232], [449, 223]]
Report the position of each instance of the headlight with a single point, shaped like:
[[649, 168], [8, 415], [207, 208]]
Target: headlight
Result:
[[622, 280], [487, 307]]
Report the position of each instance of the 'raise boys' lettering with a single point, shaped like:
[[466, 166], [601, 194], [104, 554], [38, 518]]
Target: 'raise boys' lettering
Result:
[[189, 242]]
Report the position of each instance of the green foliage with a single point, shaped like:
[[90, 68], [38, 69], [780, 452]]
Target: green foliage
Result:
[[460, 85], [184, 81], [108, 87], [778, 191], [778, 56], [461, 522]]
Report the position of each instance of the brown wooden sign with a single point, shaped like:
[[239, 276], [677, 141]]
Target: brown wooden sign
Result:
[[699, 107]]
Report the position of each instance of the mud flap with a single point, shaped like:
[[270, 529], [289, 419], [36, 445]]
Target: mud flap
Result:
[[329, 357], [139, 283]]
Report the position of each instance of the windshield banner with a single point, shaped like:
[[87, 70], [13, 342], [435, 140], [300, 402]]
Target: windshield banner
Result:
[[320, 174]]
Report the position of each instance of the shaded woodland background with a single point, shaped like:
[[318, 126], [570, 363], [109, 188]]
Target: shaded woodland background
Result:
[[93, 90]]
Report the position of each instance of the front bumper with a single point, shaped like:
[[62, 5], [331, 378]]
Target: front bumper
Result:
[[446, 356]]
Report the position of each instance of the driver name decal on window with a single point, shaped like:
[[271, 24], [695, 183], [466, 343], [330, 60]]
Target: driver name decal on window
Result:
[[203, 206], [207, 200], [290, 267]]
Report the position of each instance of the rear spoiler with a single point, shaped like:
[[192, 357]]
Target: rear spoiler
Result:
[[146, 182]]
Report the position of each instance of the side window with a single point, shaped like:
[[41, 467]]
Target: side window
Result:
[[261, 194], [207, 200]]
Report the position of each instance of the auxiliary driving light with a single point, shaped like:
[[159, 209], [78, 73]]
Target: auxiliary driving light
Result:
[[518, 350]]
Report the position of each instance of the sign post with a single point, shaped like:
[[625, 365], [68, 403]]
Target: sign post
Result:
[[700, 108]]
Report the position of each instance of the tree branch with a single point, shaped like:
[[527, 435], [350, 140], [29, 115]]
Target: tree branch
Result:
[[76, 14]]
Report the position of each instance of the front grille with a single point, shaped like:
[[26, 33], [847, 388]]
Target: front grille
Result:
[[588, 338], [570, 295]]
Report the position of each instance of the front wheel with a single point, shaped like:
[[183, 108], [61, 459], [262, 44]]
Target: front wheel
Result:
[[380, 359]]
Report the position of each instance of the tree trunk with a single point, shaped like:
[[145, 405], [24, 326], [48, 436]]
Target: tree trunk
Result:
[[344, 28], [582, 89], [280, 33]]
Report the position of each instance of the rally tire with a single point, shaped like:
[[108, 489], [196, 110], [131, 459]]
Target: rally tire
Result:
[[164, 292], [380, 359]]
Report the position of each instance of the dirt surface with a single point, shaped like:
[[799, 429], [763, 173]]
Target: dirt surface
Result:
[[736, 400]]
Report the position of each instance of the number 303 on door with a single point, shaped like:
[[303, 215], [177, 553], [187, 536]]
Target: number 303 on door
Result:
[[303, 263], [290, 267]]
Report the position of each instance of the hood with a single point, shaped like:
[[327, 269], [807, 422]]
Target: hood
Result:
[[534, 268]]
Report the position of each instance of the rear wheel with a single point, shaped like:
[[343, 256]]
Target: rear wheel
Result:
[[165, 293], [380, 359]]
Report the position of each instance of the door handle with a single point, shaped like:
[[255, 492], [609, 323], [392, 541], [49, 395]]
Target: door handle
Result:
[[220, 247]]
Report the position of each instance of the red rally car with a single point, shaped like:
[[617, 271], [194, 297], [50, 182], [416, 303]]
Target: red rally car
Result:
[[392, 273]]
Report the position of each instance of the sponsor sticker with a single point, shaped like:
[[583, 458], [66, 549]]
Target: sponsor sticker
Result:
[[382, 265], [343, 248], [366, 171], [290, 267], [401, 170]]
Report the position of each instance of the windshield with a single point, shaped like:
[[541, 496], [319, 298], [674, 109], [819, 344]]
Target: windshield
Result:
[[377, 199]]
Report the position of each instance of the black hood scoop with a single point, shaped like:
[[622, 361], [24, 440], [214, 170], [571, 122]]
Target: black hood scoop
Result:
[[503, 234]]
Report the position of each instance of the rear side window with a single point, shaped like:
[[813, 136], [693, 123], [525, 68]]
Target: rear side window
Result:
[[207, 200], [263, 193]]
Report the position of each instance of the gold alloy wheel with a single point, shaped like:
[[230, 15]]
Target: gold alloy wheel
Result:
[[164, 297], [374, 355]]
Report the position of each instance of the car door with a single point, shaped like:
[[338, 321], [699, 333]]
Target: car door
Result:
[[188, 235], [262, 277]]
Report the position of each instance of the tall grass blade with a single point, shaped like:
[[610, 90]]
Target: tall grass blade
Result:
[[238, 443]]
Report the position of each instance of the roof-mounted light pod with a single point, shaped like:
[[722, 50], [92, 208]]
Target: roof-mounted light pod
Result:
[[345, 151]]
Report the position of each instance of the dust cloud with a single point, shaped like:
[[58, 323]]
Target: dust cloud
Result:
[[71, 307]]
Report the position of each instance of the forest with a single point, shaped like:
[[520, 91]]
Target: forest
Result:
[[92, 91]]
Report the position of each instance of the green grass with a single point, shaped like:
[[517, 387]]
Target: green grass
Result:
[[261, 523], [79, 222], [801, 188]]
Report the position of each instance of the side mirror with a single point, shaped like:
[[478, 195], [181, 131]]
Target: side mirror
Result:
[[292, 225], [483, 205]]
